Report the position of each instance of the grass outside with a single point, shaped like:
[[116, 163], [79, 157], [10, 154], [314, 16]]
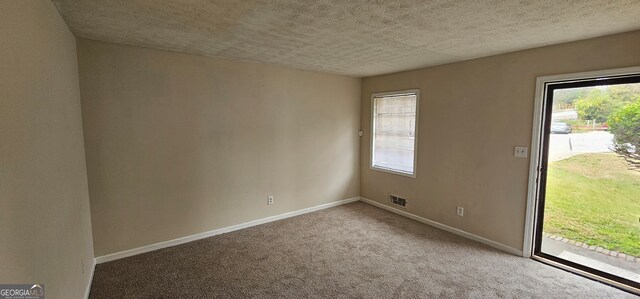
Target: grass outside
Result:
[[594, 199]]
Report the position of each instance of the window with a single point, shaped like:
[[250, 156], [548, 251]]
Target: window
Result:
[[393, 138]]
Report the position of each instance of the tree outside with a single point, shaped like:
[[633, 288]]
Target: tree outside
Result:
[[595, 105], [625, 126]]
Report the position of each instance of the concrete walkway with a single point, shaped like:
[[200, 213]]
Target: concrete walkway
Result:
[[620, 265]]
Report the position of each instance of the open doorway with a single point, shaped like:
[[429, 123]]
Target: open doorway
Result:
[[587, 187]]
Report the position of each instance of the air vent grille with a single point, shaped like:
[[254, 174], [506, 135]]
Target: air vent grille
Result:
[[398, 201]]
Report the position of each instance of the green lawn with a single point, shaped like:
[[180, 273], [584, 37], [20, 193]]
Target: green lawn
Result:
[[594, 199]]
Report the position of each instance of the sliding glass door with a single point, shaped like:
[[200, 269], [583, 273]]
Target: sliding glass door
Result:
[[588, 206]]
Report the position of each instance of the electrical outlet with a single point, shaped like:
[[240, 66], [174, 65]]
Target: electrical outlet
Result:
[[460, 211], [270, 200], [520, 151]]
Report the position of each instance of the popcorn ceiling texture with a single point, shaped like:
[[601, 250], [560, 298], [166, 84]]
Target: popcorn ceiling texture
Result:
[[355, 37]]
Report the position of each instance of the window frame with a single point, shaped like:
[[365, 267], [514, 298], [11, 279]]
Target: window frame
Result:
[[415, 91]]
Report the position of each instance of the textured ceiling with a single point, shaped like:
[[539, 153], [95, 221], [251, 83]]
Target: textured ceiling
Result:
[[352, 37]]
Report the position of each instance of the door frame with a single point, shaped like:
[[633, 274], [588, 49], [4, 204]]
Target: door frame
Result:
[[536, 153]]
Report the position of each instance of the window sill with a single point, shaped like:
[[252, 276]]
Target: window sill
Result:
[[392, 171]]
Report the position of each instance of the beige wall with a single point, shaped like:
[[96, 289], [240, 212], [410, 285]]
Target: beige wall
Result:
[[179, 144], [472, 114], [45, 226]]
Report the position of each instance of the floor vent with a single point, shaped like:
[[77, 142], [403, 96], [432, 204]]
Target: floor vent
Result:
[[398, 201]]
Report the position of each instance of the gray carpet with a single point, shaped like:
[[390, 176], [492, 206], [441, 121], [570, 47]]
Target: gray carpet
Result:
[[351, 251]]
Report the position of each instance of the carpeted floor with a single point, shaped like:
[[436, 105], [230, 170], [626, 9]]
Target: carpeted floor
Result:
[[350, 251]]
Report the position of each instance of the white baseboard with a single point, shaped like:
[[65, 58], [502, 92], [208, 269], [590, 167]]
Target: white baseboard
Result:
[[88, 289], [444, 227], [178, 241], [174, 242]]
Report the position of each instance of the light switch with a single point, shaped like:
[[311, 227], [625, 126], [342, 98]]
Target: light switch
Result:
[[521, 151]]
